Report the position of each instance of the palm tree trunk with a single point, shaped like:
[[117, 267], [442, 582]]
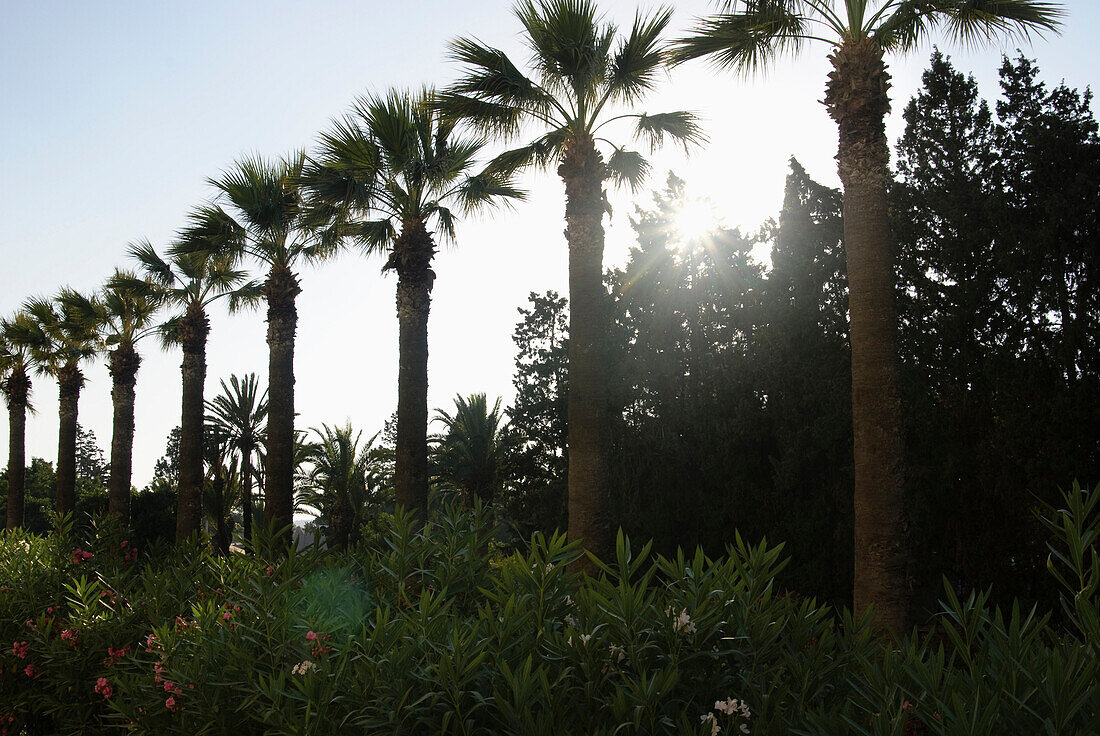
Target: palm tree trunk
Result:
[[194, 328], [582, 170], [857, 100], [412, 257], [246, 492], [17, 387], [281, 289], [124, 367], [69, 382]]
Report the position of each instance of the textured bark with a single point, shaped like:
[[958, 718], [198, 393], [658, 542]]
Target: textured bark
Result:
[[246, 493], [194, 328], [16, 388], [857, 100], [281, 289], [582, 170], [69, 382], [412, 258], [124, 367]]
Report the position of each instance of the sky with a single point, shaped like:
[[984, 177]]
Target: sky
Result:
[[115, 114]]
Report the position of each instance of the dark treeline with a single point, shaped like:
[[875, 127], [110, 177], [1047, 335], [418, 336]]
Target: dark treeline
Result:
[[731, 385]]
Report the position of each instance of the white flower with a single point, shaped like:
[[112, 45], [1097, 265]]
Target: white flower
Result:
[[733, 706], [571, 621], [744, 728], [303, 667], [683, 622], [549, 567], [568, 600], [25, 545], [709, 718], [617, 653]]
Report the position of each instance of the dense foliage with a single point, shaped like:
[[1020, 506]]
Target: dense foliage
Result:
[[427, 631]]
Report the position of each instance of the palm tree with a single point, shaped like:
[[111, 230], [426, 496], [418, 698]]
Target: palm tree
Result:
[[222, 484], [339, 482], [267, 221], [59, 344], [240, 412], [749, 35], [16, 360], [585, 72], [399, 169], [473, 452], [191, 282], [122, 314]]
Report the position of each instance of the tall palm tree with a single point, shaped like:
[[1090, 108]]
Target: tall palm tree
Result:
[[586, 76], [389, 171], [59, 344], [265, 219], [123, 314], [473, 451], [749, 35], [339, 481], [239, 412], [16, 362], [191, 282]]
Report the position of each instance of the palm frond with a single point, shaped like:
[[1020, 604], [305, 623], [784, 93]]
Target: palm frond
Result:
[[246, 296], [151, 263], [487, 190], [628, 167], [489, 118], [681, 126], [639, 59], [969, 22], [747, 41]]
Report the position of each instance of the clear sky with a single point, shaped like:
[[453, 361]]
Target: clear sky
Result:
[[113, 114]]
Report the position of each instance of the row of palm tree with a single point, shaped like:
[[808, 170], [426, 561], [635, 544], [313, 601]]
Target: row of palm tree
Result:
[[391, 173]]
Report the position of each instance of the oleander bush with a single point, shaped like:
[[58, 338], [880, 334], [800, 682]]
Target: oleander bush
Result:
[[431, 631]]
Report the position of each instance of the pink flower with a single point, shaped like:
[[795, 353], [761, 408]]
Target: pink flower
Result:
[[270, 570], [226, 616], [31, 671], [171, 704], [80, 555], [71, 636], [103, 687], [20, 649], [171, 687], [310, 636]]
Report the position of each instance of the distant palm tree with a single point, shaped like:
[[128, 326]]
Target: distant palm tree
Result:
[[123, 314], [473, 452], [749, 35], [584, 73], [221, 489], [339, 481], [240, 412], [16, 362], [60, 344], [389, 171], [191, 282], [266, 220]]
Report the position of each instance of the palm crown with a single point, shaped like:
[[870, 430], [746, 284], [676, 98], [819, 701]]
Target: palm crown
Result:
[[584, 72], [393, 160], [55, 337], [749, 34], [122, 312]]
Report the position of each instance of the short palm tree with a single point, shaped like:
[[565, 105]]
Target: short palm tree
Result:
[[123, 314], [265, 219], [749, 35], [240, 412], [191, 282], [389, 171], [338, 481], [16, 363], [586, 76], [60, 344], [473, 452], [221, 485]]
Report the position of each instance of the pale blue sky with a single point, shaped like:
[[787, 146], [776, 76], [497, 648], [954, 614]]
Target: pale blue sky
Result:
[[114, 113]]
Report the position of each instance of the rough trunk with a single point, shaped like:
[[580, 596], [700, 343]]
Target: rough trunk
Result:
[[246, 493], [582, 170], [124, 364], [412, 258], [194, 328], [857, 100], [16, 388], [281, 289], [69, 382]]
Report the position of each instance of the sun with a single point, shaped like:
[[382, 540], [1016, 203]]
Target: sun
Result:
[[695, 218]]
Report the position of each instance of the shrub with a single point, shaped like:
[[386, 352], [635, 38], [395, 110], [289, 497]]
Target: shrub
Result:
[[416, 631]]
